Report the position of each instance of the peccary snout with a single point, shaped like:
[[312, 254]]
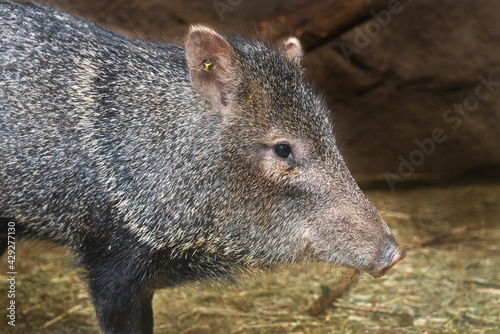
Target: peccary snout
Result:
[[342, 226], [388, 260]]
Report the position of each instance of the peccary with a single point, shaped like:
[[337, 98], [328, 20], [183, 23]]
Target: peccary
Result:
[[158, 165]]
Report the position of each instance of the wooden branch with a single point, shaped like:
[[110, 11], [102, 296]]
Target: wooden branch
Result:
[[61, 316], [335, 290], [454, 231], [318, 21]]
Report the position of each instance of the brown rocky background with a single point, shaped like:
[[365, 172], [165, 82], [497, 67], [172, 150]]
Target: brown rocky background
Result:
[[415, 90]]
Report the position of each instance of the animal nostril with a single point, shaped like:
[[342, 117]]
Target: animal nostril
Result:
[[384, 266]]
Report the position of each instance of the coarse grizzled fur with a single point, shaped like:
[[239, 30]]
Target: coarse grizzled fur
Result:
[[157, 164]]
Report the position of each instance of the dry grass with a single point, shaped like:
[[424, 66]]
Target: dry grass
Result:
[[449, 287]]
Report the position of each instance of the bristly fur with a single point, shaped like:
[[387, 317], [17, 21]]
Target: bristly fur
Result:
[[155, 171]]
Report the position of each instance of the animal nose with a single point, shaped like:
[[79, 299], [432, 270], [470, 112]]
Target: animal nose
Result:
[[385, 266]]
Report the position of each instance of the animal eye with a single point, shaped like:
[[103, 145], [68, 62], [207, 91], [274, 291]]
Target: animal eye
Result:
[[282, 150]]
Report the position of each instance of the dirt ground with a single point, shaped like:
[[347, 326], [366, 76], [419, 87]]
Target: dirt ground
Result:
[[452, 286]]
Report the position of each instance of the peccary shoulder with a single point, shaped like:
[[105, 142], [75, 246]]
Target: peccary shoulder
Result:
[[157, 165]]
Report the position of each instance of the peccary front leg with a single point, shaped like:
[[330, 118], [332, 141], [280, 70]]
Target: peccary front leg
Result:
[[146, 322], [123, 303]]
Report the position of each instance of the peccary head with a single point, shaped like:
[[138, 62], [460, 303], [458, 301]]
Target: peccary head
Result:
[[286, 194]]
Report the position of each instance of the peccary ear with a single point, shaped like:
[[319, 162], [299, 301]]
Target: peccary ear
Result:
[[211, 61], [293, 49]]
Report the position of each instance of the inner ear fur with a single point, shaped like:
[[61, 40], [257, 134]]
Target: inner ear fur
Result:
[[293, 49], [212, 65]]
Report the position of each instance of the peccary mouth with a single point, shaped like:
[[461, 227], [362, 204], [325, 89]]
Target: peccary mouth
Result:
[[382, 267]]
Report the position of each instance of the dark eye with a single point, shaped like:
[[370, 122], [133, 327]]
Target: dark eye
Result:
[[282, 150]]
